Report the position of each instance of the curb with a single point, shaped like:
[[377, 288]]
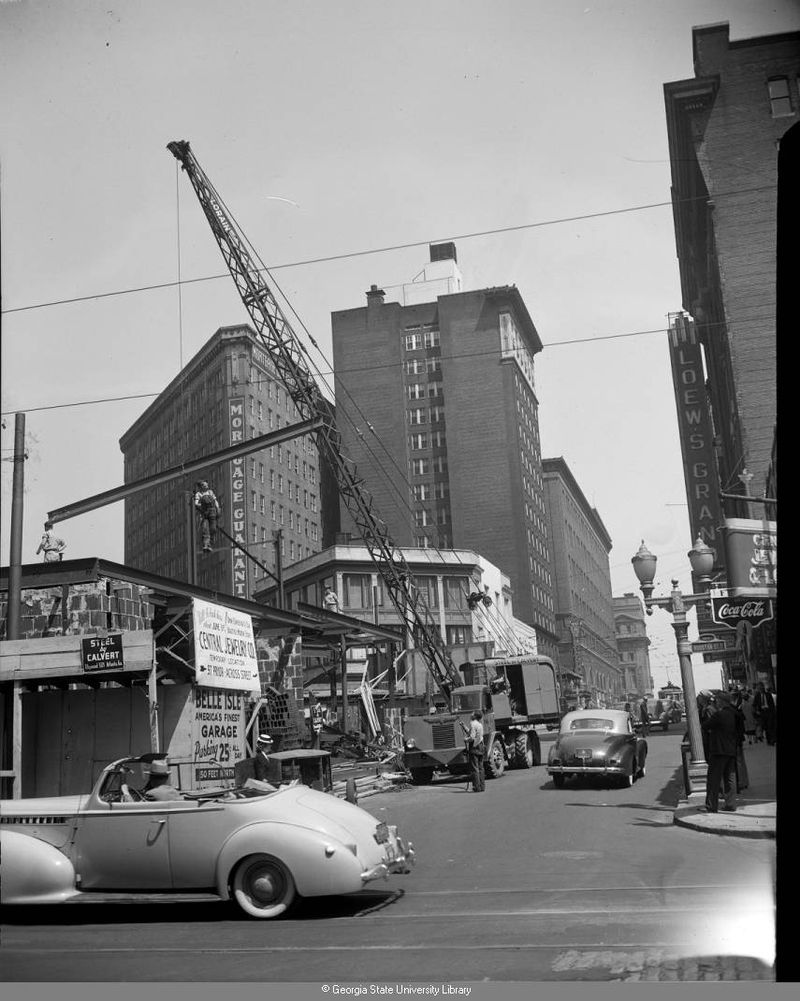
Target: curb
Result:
[[690, 818]]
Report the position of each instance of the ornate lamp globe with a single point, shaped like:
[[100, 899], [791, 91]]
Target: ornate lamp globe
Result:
[[702, 559]]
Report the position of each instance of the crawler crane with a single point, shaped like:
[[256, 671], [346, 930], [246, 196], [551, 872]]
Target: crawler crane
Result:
[[280, 341]]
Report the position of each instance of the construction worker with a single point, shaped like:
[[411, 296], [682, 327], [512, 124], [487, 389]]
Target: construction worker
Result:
[[206, 502], [52, 547]]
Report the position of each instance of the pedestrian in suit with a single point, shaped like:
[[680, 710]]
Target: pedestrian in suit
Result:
[[749, 718], [764, 706], [476, 751], [742, 778], [723, 728]]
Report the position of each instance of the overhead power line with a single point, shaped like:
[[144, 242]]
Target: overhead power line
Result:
[[398, 246]]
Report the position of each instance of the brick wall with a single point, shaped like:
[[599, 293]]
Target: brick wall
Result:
[[79, 609]]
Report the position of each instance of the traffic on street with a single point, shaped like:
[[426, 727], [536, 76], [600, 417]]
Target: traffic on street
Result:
[[526, 883]]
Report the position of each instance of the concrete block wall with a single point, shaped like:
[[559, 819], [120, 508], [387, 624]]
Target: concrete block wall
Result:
[[280, 667], [81, 609]]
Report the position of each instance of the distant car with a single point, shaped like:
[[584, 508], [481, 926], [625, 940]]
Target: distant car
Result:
[[260, 846], [597, 742]]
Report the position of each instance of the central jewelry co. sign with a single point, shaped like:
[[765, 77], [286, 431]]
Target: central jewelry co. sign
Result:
[[224, 647]]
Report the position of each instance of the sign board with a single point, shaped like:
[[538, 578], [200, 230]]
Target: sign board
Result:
[[694, 429], [751, 550], [218, 735], [710, 646], [239, 570], [731, 611], [224, 647], [102, 653]]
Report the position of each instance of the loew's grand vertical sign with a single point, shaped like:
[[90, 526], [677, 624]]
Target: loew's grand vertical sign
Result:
[[239, 561], [694, 429]]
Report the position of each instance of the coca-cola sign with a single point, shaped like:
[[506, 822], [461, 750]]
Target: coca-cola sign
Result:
[[731, 611]]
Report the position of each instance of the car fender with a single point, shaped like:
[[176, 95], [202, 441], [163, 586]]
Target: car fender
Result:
[[319, 864], [33, 871]]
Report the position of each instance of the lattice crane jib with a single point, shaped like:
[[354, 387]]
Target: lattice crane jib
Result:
[[280, 341]]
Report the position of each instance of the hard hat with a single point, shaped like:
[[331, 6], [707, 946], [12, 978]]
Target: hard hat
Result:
[[159, 767], [264, 740]]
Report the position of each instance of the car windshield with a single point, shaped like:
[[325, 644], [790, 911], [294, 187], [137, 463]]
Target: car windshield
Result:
[[467, 701], [591, 723]]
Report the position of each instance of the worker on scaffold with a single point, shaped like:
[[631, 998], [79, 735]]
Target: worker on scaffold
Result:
[[52, 547], [206, 502]]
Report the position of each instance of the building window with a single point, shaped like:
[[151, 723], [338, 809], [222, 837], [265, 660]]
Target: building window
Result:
[[431, 338], [779, 98], [458, 635], [419, 415], [454, 593], [417, 441], [357, 589], [417, 391], [280, 483], [253, 496], [261, 471], [419, 467], [413, 341], [262, 504]]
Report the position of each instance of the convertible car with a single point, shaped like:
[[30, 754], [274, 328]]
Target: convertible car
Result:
[[597, 742], [260, 846]]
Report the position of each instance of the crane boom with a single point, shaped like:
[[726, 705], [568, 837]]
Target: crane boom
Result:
[[276, 335]]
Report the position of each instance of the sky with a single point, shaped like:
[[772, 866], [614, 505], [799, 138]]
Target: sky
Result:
[[336, 129]]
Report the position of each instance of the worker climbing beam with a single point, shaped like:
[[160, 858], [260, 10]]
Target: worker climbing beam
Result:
[[223, 455]]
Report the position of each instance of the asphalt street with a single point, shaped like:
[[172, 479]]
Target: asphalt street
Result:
[[523, 883]]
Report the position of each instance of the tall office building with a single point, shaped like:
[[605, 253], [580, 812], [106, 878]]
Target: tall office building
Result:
[[584, 603], [436, 403], [724, 127], [227, 393], [633, 644]]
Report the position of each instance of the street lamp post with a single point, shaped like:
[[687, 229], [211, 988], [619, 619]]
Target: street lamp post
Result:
[[701, 558]]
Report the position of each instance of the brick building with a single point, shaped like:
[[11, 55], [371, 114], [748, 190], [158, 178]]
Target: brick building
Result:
[[633, 644], [228, 392], [447, 384], [584, 604], [724, 127]]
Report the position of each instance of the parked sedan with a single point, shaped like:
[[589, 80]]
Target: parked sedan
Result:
[[260, 846], [597, 742]]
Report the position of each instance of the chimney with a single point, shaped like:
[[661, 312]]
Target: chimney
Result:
[[442, 252], [375, 296]]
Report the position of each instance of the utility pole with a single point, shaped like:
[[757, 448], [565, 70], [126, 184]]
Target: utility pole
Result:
[[191, 541], [277, 535], [13, 614]]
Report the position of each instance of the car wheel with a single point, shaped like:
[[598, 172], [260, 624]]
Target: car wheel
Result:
[[421, 776], [263, 887], [523, 751], [495, 760], [558, 779]]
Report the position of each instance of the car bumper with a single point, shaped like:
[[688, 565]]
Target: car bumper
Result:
[[586, 770], [400, 859]]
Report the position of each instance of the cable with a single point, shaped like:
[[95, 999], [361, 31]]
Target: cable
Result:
[[401, 246]]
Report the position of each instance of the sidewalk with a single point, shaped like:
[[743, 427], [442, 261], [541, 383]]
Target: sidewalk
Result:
[[755, 814]]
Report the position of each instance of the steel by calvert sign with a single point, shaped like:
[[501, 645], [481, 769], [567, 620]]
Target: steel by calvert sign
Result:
[[751, 549], [224, 647], [102, 653], [694, 429], [731, 611]]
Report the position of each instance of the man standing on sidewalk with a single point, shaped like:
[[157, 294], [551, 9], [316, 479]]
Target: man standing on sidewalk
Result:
[[475, 751], [723, 728]]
